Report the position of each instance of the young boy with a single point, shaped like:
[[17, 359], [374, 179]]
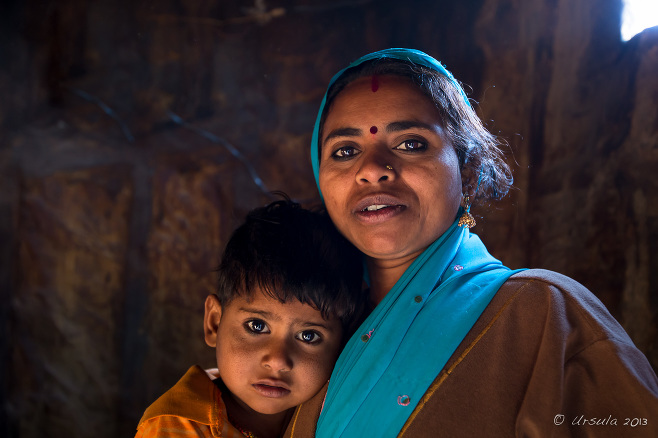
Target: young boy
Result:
[[289, 297]]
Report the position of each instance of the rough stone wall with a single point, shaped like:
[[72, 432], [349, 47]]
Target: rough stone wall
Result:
[[133, 134], [581, 105]]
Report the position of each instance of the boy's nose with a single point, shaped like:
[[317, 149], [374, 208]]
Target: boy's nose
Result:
[[277, 356]]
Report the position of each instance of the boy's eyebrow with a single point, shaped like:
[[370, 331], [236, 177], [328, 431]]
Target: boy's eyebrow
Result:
[[317, 324], [263, 313], [275, 317]]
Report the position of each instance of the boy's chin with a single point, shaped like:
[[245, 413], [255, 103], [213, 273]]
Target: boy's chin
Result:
[[266, 406], [275, 411]]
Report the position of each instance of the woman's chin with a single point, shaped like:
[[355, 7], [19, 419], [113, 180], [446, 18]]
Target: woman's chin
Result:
[[389, 249]]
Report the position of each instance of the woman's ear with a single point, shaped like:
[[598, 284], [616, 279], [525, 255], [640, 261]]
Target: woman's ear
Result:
[[469, 180], [211, 318]]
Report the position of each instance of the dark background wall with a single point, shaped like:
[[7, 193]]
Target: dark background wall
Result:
[[133, 134]]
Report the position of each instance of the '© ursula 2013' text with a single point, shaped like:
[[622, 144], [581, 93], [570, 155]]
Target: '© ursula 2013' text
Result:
[[608, 421], [582, 420]]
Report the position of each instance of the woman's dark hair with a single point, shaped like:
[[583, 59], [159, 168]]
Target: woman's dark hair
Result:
[[288, 252], [478, 150]]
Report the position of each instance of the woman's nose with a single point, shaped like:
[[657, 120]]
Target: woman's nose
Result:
[[277, 356], [375, 167]]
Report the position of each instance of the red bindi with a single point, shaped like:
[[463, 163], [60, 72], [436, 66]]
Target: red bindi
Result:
[[374, 83], [373, 130]]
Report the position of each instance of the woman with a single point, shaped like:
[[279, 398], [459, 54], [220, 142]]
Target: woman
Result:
[[456, 344]]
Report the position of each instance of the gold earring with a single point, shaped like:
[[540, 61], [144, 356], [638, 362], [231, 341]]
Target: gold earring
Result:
[[467, 220], [389, 167]]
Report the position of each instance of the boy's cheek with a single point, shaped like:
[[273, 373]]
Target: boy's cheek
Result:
[[326, 362]]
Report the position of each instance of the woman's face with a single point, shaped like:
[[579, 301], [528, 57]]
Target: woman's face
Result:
[[388, 174]]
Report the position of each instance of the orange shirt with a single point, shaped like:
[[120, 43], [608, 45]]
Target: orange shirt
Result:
[[191, 408]]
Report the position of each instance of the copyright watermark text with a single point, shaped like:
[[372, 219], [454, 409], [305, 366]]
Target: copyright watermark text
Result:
[[582, 420]]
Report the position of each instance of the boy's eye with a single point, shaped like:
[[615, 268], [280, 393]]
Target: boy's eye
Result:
[[411, 145], [345, 152], [257, 326], [309, 336]]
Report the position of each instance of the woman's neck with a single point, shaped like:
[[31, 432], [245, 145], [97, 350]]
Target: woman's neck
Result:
[[384, 274]]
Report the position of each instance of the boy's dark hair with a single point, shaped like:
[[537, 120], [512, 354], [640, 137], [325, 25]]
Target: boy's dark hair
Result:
[[292, 253]]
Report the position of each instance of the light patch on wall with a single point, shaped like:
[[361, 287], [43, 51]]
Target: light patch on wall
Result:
[[637, 16]]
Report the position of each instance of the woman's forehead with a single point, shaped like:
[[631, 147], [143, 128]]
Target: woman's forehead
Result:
[[377, 95], [379, 82]]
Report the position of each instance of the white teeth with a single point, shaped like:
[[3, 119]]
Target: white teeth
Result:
[[375, 207]]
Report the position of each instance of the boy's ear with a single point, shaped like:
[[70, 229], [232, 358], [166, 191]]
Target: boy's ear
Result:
[[211, 318]]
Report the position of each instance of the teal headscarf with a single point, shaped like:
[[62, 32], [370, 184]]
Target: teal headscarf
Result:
[[401, 347]]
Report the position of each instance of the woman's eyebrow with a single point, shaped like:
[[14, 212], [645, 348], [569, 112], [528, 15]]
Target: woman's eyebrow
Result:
[[343, 132], [407, 124], [391, 127]]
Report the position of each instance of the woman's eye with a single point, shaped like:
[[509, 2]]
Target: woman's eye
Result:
[[345, 152], [309, 336], [411, 145], [257, 326]]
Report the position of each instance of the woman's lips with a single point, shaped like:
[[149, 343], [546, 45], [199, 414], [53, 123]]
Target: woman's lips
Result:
[[271, 390], [378, 207], [380, 214]]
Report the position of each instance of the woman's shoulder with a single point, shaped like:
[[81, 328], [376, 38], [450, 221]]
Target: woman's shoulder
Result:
[[541, 294], [542, 284], [545, 345], [545, 277]]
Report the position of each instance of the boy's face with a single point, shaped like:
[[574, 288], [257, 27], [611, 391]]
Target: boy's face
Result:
[[271, 356]]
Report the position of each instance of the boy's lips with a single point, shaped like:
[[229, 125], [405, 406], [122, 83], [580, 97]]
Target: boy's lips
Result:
[[272, 388]]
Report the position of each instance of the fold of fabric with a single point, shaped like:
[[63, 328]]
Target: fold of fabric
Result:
[[412, 55], [402, 346]]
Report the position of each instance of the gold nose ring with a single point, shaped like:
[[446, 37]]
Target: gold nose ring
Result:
[[389, 167]]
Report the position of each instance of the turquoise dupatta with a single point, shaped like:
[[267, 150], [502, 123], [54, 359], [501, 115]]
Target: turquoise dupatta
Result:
[[399, 350], [396, 354]]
